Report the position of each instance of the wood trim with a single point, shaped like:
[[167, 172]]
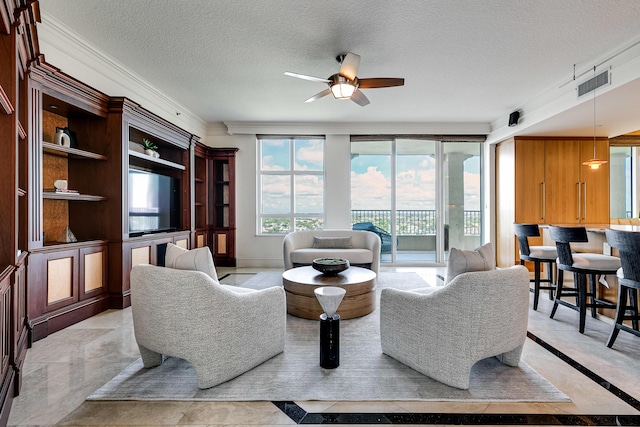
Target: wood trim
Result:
[[5, 102], [64, 87]]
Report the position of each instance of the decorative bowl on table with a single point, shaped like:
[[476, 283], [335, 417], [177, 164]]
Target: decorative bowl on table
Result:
[[330, 266]]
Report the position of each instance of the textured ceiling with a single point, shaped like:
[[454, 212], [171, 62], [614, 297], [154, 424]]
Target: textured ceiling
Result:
[[462, 60]]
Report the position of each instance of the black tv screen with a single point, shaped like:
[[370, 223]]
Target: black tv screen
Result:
[[153, 202]]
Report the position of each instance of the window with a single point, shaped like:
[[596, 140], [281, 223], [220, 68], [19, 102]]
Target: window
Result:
[[421, 195], [291, 184], [622, 160]]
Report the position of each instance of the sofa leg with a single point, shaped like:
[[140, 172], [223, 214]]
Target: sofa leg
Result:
[[150, 358], [511, 358]]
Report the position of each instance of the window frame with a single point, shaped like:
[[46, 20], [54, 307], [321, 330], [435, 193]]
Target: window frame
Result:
[[292, 173]]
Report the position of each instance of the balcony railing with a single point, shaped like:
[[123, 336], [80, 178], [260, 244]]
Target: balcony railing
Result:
[[415, 222]]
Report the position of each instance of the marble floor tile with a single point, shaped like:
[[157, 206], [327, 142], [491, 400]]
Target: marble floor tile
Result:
[[61, 370]]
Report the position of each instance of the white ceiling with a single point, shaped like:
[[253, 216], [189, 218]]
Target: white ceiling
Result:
[[463, 60]]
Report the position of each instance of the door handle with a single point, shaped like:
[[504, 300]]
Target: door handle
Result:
[[579, 201], [584, 201], [543, 201]]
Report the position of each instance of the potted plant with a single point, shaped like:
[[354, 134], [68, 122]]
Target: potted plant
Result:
[[149, 148]]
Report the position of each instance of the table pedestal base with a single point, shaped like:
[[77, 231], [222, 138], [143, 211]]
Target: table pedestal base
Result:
[[329, 341]]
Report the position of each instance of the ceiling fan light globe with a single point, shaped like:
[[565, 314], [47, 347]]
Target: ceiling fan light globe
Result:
[[342, 90]]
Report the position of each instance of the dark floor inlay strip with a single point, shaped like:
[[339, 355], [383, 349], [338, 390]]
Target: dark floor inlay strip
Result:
[[630, 400], [300, 416]]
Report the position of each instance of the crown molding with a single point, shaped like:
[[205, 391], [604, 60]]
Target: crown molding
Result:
[[67, 50], [356, 128]]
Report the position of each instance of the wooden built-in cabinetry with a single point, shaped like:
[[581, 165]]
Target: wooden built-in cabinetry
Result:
[[68, 232], [543, 181], [221, 200], [214, 215], [18, 48], [65, 256]]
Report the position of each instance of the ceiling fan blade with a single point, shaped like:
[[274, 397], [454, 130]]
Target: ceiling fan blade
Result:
[[349, 67], [379, 82], [359, 98], [319, 95], [306, 77]]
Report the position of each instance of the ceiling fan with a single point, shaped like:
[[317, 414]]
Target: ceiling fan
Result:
[[345, 84]]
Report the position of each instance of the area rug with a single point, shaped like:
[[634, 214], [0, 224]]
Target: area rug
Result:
[[364, 374]]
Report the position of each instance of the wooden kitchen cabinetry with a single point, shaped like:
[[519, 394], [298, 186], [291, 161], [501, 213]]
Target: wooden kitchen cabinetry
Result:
[[543, 181]]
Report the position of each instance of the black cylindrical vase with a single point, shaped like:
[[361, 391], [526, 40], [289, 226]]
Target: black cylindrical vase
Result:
[[329, 341]]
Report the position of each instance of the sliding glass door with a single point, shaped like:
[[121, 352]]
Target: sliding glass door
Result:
[[420, 196]]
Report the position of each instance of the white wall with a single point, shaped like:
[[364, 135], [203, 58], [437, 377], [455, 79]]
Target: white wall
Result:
[[266, 251]]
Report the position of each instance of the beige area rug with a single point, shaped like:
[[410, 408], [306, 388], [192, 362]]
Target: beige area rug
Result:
[[364, 374]]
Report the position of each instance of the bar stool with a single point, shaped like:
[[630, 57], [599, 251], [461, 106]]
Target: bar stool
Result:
[[581, 265], [628, 244], [538, 255]]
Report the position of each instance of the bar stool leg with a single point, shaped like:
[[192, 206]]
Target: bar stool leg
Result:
[[593, 286], [550, 278], [620, 312], [582, 299], [558, 293], [633, 303], [536, 284]]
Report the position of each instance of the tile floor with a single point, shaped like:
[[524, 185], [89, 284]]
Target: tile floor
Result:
[[61, 370]]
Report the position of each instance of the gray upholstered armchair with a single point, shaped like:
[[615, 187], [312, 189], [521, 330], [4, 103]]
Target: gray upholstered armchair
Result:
[[222, 330], [443, 333]]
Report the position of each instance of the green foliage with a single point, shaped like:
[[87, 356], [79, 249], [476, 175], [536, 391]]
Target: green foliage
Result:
[[148, 145]]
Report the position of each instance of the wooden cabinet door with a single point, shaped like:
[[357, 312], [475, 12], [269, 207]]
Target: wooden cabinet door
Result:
[[562, 179], [529, 181], [594, 196]]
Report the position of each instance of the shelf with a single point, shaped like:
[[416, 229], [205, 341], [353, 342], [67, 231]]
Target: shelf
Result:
[[144, 160], [71, 196], [59, 150]]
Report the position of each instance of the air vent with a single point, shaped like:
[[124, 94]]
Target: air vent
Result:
[[594, 83]]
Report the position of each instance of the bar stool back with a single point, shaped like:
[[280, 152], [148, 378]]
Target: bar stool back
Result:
[[538, 255], [628, 244], [582, 265]]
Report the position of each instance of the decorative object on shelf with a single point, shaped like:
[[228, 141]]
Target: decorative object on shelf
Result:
[[66, 137], [61, 138], [150, 148], [330, 266], [68, 236], [60, 184]]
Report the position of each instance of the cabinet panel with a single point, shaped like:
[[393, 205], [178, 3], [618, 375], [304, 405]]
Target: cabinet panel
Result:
[[562, 178], [595, 183], [530, 187], [93, 271]]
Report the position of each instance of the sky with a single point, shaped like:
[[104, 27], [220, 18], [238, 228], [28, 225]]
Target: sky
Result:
[[370, 179]]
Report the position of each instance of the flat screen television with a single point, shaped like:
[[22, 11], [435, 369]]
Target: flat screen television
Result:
[[154, 203]]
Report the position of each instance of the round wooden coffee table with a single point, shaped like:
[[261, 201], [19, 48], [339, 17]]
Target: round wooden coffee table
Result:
[[359, 284]]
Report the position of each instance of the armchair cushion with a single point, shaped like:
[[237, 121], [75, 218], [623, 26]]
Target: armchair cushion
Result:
[[481, 259], [199, 259]]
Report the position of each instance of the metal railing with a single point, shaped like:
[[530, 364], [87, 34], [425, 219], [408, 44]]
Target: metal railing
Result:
[[416, 222]]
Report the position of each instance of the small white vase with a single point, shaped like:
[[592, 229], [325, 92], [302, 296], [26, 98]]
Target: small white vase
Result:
[[149, 152], [61, 138]]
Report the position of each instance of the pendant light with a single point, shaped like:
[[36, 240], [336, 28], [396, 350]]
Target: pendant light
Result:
[[594, 163]]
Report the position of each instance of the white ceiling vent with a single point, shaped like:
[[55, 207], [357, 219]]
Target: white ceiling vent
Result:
[[594, 83]]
